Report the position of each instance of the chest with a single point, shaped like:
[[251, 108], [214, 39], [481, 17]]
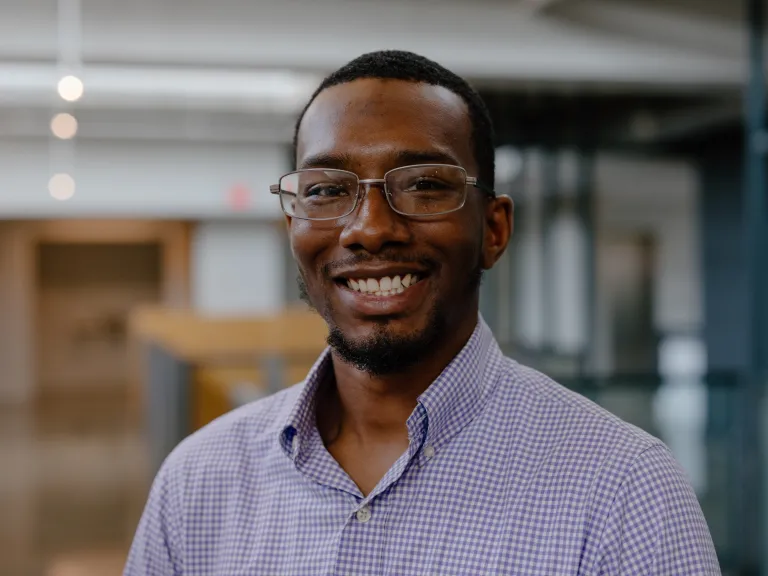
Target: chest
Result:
[[462, 512], [367, 465]]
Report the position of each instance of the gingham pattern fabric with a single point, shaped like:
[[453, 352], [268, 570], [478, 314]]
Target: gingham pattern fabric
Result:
[[507, 473]]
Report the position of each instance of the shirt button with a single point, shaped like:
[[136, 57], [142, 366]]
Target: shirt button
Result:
[[295, 444], [364, 514], [429, 451]]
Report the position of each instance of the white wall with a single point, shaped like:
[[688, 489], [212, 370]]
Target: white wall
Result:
[[140, 179], [568, 291], [238, 267]]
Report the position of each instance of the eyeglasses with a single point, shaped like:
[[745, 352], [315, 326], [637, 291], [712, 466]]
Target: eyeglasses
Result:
[[421, 190]]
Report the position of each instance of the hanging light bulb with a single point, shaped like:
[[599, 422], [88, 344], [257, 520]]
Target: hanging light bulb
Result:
[[71, 88], [64, 126], [61, 186]]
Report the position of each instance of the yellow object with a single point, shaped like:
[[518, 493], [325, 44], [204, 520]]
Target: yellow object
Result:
[[225, 353]]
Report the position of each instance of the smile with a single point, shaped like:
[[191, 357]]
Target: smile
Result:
[[373, 293], [384, 285]]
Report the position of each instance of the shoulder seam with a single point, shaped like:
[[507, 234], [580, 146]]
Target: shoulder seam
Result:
[[569, 402]]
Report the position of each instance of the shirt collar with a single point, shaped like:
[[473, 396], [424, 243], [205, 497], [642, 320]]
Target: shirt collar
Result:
[[450, 403], [454, 399], [298, 425]]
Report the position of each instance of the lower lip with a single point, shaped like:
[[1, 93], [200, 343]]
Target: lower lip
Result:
[[366, 304]]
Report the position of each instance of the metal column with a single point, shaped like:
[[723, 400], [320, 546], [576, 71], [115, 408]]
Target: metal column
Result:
[[755, 221], [168, 403], [586, 210]]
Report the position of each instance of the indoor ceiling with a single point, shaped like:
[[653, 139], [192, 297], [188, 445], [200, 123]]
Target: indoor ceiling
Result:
[[542, 63]]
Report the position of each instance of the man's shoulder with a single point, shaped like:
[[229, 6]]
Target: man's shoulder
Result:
[[576, 427], [250, 431]]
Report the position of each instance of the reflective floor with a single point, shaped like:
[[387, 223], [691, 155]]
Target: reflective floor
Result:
[[73, 479]]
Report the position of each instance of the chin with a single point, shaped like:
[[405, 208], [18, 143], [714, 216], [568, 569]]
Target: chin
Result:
[[387, 345], [395, 326]]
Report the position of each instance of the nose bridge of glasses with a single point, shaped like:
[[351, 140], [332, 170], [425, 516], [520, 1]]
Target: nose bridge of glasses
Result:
[[372, 182], [364, 185]]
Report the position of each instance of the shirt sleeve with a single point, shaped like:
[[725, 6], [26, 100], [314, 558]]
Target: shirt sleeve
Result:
[[655, 526], [156, 547]]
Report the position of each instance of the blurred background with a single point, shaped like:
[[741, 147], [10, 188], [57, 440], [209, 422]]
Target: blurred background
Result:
[[146, 284]]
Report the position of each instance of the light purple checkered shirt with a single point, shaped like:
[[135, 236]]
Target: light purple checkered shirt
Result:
[[506, 473]]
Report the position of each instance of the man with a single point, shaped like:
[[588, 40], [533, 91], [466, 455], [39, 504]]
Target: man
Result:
[[414, 446]]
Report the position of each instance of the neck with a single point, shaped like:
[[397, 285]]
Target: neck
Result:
[[375, 408]]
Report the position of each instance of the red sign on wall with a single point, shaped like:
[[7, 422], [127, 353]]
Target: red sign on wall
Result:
[[239, 197]]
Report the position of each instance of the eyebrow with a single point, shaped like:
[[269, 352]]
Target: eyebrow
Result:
[[339, 161], [402, 158], [409, 157]]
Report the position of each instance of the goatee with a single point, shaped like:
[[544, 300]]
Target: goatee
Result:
[[385, 352]]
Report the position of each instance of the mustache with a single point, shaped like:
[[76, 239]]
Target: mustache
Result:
[[330, 268]]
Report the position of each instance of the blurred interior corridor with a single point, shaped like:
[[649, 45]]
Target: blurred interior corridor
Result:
[[147, 284], [73, 485]]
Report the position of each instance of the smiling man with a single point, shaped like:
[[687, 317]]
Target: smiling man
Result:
[[414, 446]]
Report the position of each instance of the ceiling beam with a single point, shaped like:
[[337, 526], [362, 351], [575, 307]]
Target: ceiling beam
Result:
[[261, 91]]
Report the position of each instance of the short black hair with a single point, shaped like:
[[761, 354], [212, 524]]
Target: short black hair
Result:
[[400, 65]]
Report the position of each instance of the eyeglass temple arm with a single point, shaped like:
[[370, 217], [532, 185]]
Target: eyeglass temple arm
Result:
[[472, 181], [275, 189]]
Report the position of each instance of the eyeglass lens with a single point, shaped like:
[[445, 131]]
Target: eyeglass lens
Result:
[[413, 190]]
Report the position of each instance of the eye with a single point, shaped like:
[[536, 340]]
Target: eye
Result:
[[328, 190], [426, 184]]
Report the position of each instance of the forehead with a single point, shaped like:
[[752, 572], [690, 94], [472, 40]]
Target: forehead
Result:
[[371, 122]]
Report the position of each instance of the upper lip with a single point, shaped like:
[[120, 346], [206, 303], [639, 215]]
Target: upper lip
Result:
[[379, 271]]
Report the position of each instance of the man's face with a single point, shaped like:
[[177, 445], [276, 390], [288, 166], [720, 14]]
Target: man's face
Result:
[[368, 127]]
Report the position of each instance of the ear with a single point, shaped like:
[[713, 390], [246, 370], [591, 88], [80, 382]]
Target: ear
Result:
[[499, 225], [288, 221]]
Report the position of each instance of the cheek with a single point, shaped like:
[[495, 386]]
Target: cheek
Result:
[[461, 246], [308, 242], [467, 257]]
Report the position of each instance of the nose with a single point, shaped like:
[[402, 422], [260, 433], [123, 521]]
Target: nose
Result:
[[374, 225]]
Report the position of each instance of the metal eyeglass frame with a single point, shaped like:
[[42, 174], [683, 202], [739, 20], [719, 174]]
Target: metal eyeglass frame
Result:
[[469, 181]]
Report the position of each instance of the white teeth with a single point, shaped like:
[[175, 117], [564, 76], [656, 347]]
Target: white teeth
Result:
[[385, 286]]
